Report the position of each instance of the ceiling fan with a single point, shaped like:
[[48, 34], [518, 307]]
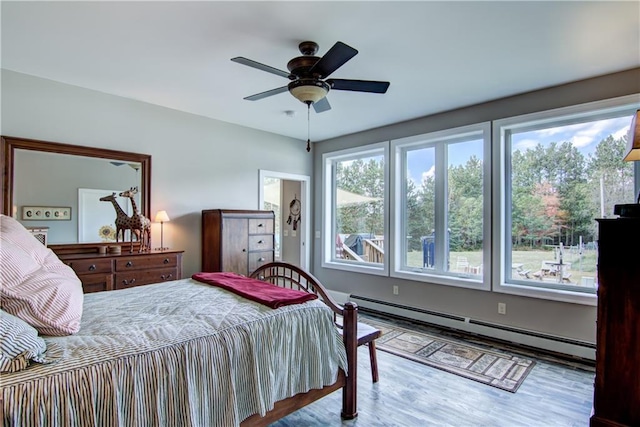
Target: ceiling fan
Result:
[[308, 74]]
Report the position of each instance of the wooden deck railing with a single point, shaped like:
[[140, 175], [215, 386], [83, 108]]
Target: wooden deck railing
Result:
[[373, 250]]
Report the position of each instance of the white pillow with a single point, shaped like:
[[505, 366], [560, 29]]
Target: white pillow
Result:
[[36, 286]]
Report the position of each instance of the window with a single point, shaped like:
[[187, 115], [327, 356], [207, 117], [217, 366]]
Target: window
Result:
[[562, 169], [441, 192], [507, 206], [355, 214]]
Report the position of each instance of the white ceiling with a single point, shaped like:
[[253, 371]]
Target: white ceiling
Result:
[[437, 55]]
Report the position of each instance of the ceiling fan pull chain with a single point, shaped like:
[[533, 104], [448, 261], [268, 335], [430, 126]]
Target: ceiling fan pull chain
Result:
[[308, 128]]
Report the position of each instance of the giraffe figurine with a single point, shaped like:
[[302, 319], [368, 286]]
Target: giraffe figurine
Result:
[[140, 225], [123, 222]]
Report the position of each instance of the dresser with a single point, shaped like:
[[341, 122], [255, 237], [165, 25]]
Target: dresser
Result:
[[616, 399], [110, 271], [237, 241]]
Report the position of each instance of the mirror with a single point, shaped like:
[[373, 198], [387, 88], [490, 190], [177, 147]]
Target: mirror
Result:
[[54, 179]]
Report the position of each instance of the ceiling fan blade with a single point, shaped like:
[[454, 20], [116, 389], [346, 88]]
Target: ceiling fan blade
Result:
[[259, 66], [271, 92], [322, 105], [335, 58], [359, 85]]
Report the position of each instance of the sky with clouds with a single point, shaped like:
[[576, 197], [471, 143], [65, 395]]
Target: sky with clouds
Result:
[[584, 136]]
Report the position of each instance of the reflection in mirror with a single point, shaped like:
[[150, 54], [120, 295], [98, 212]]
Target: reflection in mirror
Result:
[[63, 180], [71, 179]]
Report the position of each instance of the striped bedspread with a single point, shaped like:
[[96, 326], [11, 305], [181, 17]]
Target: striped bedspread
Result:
[[176, 353]]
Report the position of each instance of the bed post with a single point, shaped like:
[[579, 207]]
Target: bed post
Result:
[[350, 335]]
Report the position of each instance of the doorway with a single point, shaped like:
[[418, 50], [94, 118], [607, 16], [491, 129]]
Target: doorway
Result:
[[288, 196]]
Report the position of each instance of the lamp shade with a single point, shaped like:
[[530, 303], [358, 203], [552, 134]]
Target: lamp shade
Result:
[[308, 90], [162, 216], [633, 139]]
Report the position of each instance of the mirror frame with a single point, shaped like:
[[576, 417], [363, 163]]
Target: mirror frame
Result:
[[9, 144]]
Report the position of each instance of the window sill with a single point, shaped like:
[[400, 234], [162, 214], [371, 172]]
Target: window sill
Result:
[[582, 298], [356, 267], [469, 282]]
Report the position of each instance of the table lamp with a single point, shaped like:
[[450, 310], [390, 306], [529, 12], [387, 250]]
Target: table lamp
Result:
[[633, 153], [162, 217]]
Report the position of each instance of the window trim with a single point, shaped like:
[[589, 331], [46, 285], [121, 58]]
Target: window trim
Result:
[[328, 217], [500, 180], [481, 130]]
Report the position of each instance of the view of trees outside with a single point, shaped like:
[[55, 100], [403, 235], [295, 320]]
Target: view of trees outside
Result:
[[558, 187], [365, 177], [464, 180]]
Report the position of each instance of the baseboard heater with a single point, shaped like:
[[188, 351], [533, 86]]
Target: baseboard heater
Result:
[[550, 343]]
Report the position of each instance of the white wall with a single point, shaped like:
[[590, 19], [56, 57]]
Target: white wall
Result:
[[197, 163], [550, 317]]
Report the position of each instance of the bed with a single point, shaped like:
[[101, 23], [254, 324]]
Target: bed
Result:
[[185, 352]]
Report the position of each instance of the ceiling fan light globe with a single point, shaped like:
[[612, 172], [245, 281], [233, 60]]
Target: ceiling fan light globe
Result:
[[309, 91]]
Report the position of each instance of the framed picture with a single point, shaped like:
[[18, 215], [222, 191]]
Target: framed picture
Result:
[[46, 213], [96, 219]]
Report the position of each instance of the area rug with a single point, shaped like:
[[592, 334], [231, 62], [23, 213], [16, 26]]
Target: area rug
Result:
[[494, 368]]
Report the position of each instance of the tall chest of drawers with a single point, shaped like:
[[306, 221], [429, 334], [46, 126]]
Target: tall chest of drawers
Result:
[[616, 400], [237, 241], [109, 272]]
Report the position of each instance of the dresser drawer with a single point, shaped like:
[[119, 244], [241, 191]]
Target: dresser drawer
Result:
[[137, 278], [96, 282], [83, 266], [260, 226], [145, 262], [257, 259], [261, 243]]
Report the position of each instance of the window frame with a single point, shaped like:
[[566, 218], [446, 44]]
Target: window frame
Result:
[[328, 209], [501, 180], [441, 138]]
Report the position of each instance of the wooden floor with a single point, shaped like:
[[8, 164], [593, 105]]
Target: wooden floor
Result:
[[411, 394]]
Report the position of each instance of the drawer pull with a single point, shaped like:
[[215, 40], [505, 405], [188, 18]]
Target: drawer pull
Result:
[[260, 225], [261, 259], [260, 242], [92, 267], [128, 282], [129, 264], [244, 250], [166, 277], [166, 261]]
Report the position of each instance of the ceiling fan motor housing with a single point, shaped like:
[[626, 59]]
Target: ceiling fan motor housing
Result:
[[300, 66]]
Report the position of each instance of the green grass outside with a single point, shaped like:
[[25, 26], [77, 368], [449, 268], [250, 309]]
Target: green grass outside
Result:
[[531, 260]]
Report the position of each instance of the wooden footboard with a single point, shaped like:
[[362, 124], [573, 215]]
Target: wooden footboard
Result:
[[292, 277]]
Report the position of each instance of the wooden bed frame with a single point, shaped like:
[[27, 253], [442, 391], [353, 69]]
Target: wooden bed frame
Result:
[[292, 277]]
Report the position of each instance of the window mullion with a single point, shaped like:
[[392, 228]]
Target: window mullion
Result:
[[442, 237]]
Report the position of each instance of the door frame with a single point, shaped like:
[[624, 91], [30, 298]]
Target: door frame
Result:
[[305, 202]]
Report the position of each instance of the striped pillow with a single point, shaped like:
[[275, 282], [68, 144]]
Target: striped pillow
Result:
[[36, 286], [19, 344]]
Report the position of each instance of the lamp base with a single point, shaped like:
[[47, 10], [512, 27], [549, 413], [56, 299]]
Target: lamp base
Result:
[[631, 210]]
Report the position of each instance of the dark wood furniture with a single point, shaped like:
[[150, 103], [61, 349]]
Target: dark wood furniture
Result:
[[237, 241], [367, 335], [292, 277], [110, 271], [617, 385]]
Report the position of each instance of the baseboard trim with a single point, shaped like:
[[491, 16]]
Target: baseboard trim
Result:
[[545, 342]]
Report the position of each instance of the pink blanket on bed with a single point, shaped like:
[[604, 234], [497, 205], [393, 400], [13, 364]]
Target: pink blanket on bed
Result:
[[255, 290]]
